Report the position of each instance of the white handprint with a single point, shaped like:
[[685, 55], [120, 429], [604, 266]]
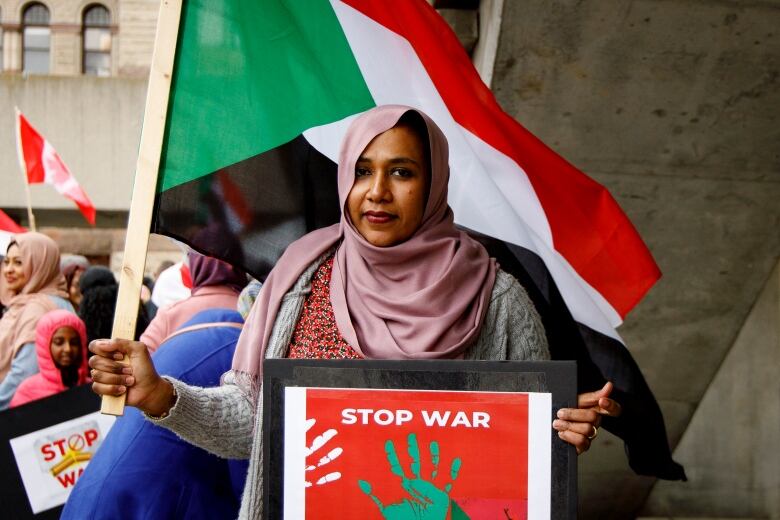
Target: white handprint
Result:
[[319, 442]]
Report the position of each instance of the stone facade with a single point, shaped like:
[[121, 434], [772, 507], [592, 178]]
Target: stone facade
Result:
[[132, 29]]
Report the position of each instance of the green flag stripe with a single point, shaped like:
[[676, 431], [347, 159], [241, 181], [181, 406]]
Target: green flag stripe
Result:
[[251, 75]]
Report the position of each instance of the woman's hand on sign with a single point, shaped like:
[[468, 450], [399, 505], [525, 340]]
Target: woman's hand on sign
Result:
[[112, 375], [579, 426]]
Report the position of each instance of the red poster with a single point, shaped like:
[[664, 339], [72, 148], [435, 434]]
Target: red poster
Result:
[[398, 454]]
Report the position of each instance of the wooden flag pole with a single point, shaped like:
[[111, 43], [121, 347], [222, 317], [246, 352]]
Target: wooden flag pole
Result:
[[23, 167], [150, 149]]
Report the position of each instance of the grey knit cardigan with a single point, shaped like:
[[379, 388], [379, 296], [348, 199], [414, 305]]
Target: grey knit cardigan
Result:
[[228, 422]]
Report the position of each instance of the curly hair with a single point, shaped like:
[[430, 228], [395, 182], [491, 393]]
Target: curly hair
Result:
[[97, 308]]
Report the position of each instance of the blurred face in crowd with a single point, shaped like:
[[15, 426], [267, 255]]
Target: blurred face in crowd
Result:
[[387, 200], [13, 270], [74, 293], [66, 347], [146, 294]]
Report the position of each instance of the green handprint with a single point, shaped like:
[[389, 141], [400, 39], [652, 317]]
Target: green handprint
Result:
[[426, 501]]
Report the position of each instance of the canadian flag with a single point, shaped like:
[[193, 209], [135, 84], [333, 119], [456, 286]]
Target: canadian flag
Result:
[[8, 224], [41, 162]]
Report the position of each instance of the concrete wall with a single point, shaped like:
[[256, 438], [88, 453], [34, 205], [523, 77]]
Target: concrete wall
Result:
[[731, 445], [673, 105], [93, 123]]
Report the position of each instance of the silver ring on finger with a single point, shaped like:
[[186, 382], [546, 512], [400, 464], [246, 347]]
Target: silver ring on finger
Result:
[[594, 434]]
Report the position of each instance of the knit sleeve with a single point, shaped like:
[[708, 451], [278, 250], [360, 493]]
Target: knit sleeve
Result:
[[526, 339], [219, 419], [512, 328]]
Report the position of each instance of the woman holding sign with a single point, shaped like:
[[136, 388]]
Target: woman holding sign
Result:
[[395, 279]]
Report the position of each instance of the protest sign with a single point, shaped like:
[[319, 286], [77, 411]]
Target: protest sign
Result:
[[47, 444], [460, 440]]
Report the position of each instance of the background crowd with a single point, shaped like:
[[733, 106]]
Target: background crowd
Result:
[[53, 306]]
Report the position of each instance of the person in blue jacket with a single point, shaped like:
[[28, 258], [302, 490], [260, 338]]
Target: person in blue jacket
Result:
[[144, 471]]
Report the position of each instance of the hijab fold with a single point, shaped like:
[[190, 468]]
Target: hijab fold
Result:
[[424, 298], [207, 271], [41, 263]]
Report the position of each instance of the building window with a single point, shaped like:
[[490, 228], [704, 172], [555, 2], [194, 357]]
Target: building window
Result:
[[97, 41], [36, 39]]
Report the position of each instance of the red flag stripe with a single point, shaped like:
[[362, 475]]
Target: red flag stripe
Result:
[[589, 228], [31, 144], [8, 224]]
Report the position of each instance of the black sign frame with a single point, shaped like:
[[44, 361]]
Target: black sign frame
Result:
[[29, 418], [556, 377]]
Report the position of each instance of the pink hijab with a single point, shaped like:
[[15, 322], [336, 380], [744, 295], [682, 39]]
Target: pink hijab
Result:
[[422, 299], [48, 381], [41, 263]]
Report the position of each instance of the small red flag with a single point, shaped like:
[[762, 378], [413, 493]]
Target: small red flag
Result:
[[8, 224], [42, 164]]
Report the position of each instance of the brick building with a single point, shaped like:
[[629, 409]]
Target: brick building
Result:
[[73, 37]]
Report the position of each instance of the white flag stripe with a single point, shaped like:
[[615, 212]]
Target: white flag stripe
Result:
[[58, 176]]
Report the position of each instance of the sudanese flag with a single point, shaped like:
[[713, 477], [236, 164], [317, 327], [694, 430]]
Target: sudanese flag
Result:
[[263, 92]]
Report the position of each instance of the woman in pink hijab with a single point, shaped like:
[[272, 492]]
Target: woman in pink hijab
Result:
[[61, 346], [30, 286], [215, 285], [394, 279]]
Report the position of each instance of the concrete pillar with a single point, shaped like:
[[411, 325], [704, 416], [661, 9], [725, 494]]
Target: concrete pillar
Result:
[[484, 56], [465, 25], [730, 449]]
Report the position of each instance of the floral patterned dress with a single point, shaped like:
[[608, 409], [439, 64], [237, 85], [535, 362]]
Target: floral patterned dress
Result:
[[316, 335]]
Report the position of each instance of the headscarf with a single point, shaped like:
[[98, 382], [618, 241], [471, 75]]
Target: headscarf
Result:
[[70, 265], [41, 263], [207, 271], [424, 298], [48, 381]]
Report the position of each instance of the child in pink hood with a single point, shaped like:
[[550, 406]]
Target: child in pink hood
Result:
[[61, 345]]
